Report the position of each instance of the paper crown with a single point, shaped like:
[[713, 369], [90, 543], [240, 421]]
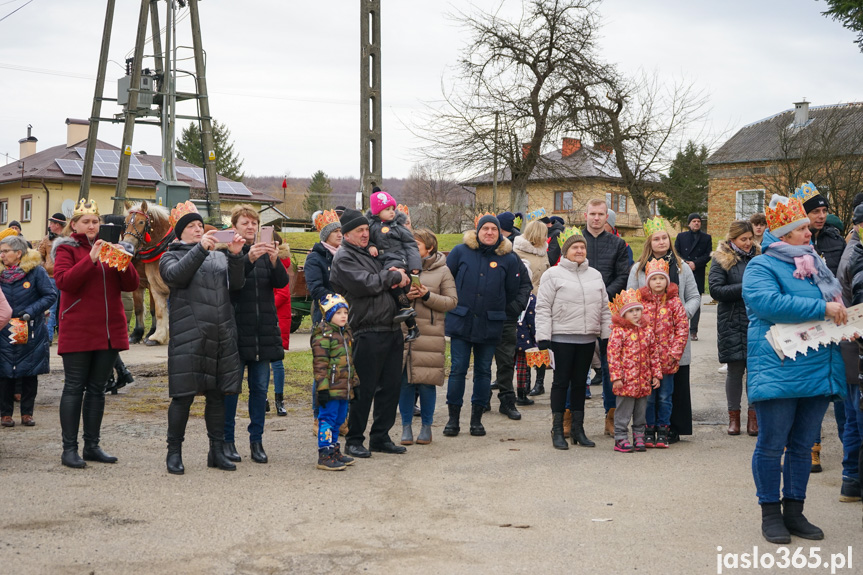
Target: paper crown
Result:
[[326, 218], [181, 210], [85, 207], [536, 215], [516, 223], [403, 209], [480, 216], [806, 192], [784, 215], [656, 267], [654, 224], [625, 301], [566, 234], [330, 301]]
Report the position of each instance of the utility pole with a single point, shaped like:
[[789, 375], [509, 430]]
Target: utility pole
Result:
[[371, 170], [494, 170]]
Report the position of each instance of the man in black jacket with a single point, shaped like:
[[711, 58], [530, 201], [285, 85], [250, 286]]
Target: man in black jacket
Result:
[[555, 226], [378, 340], [694, 249], [827, 240]]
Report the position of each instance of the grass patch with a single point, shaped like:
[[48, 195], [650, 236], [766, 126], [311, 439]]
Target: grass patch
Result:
[[305, 241]]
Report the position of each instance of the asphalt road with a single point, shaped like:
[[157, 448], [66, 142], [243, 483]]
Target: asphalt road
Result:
[[504, 503]]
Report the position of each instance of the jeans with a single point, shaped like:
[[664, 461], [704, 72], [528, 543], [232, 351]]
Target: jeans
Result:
[[51, 321], [428, 397], [659, 402], [790, 424], [839, 416], [378, 360], [853, 437], [278, 376], [259, 381], [330, 418], [460, 350], [608, 398]]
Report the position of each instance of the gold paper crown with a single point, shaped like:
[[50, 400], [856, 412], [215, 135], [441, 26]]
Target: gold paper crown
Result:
[[806, 192], [403, 209], [782, 214], [181, 210], [656, 266], [480, 216], [516, 223], [536, 215], [85, 207], [326, 218], [655, 224], [566, 234], [331, 300], [625, 300]]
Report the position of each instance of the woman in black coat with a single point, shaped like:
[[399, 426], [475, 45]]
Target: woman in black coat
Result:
[[726, 286], [202, 353]]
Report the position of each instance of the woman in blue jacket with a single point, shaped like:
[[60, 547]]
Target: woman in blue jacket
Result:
[[790, 285]]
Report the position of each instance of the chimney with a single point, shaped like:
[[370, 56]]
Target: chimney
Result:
[[525, 150], [570, 146], [801, 113], [603, 147], [28, 144], [76, 131]]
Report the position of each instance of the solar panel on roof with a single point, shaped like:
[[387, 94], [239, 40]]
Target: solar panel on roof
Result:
[[108, 156], [234, 188], [71, 167]]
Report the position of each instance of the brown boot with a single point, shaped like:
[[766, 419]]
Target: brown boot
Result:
[[734, 422], [609, 422], [816, 458], [751, 423], [567, 422]]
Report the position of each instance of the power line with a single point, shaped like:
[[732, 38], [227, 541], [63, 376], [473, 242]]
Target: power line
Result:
[[15, 10]]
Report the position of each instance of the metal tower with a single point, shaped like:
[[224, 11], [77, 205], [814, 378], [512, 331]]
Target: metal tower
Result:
[[370, 98]]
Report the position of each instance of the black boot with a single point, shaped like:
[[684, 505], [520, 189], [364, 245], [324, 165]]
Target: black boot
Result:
[[174, 461], [70, 458], [476, 427], [772, 525], [521, 397], [124, 376], [70, 416], [258, 453], [796, 523], [93, 408], [404, 315], [451, 428], [216, 456], [178, 416], [507, 406], [280, 405], [576, 432], [557, 437], [539, 384], [230, 451], [413, 332]]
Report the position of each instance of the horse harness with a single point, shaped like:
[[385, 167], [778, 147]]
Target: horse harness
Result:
[[154, 253]]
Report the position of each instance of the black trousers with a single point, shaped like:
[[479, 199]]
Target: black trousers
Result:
[[504, 359], [681, 403], [571, 364], [214, 416], [693, 323], [86, 374], [378, 361], [29, 385]]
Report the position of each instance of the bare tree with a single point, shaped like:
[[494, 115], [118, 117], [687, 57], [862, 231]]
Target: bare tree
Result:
[[436, 200]]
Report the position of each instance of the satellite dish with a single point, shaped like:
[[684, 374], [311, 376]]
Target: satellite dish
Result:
[[67, 208]]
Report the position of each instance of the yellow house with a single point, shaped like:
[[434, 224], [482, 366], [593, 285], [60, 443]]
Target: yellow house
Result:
[[42, 183]]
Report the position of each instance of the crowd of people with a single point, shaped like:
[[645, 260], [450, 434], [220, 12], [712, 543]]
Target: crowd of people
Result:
[[388, 299]]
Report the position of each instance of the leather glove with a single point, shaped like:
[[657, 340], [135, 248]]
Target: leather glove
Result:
[[544, 344], [323, 397]]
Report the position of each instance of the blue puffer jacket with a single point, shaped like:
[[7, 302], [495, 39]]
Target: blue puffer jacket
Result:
[[31, 295], [487, 282], [773, 295]]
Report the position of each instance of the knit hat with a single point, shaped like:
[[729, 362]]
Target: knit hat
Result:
[[656, 267], [692, 217], [487, 218], [15, 223], [558, 219], [612, 218], [352, 219], [184, 214], [857, 218], [185, 220], [811, 198], [506, 220], [58, 218], [326, 223], [784, 215], [330, 304], [568, 237], [833, 220], [381, 200], [858, 199], [7, 233]]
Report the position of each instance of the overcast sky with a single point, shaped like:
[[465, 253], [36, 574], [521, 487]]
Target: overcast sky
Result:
[[284, 74]]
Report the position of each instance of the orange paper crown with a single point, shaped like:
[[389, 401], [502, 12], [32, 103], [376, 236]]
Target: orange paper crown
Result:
[[181, 210], [480, 216], [85, 207], [784, 215], [656, 267], [625, 301], [403, 209], [326, 218]]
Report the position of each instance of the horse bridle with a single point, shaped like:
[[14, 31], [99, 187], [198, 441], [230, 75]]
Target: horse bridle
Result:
[[138, 235]]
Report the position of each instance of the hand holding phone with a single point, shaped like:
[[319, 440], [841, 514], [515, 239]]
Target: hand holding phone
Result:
[[224, 236], [265, 236]]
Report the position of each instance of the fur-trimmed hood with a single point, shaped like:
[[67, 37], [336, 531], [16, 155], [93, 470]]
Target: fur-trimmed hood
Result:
[[647, 294], [63, 241], [727, 257], [472, 241], [30, 260], [525, 246], [626, 324]]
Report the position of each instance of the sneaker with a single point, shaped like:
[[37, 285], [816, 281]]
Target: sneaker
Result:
[[649, 436], [341, 457], [662, 437], [638, 439], [622, 445], [723, 368], [327, 460], [851, 491]]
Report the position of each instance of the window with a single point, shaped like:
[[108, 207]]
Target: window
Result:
[[749, 202], [4, 211], [616, 202], [654, 207], [760, 170], [26, 208], [562, 201]]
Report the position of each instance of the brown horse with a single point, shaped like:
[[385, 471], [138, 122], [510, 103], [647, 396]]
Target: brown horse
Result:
[[149, 231]]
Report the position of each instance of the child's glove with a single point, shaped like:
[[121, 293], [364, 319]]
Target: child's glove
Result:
[[544, 344], [373, 251], [323, 397]]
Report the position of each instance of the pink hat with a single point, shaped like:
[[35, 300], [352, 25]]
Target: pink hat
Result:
[[381, 200]]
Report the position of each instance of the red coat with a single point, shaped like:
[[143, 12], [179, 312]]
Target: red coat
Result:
[[633, 357], [283, 303], [667, 316], [91, 310]]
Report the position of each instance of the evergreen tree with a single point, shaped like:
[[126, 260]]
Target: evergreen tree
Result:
[[685, 186], [318, 193], [228, 162]]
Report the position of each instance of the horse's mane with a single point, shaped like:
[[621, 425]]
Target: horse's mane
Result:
[[159, 214]]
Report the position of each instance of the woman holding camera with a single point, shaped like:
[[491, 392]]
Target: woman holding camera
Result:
[[93, 330]]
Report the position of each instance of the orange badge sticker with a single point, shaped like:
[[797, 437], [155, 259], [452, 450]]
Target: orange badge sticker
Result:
[[634, 337], [492, 265], [385, 230], [26, 285], [663, 311]]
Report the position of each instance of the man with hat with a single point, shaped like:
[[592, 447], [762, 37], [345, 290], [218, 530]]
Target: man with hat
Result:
[[56, 223], [828, 241], [555, 226], [378, 339], [694, 248], [508, 229]]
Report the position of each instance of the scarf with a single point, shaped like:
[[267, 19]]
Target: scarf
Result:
[[740, 252], [808, 264], [330, 248], [11, 275]]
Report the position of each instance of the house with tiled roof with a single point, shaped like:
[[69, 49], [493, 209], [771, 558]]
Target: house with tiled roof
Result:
[[563, 181], [42, 183]]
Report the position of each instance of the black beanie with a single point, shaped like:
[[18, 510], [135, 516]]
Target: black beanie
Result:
[[185, 220], [352, 219], [815, 202], [692, 217], [486, 219]]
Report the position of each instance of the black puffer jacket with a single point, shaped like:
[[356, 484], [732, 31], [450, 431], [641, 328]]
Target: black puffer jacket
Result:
[[395, 243], [317, 272], [202, 351], [553, 246], [726, 287], [829, 244], [359, 277], [606, 253], [255, 309]]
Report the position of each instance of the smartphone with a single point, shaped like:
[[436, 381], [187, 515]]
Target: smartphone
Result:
[[110, 233], [415, 280], [265, 236], [224, 236]]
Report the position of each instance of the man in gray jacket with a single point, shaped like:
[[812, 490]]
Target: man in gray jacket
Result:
[[378, 339]]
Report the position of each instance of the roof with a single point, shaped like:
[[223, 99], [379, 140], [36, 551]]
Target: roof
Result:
[[43, 166], [761, 141]]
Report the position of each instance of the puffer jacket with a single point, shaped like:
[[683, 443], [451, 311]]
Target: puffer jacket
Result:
[[424, 357], [282, 299], [202, 351], [829, 244], [5, 311], [572, 301], [773, 295], [633, 357], [317, 272], [726, 287], [255, 309], [525, 334], [844, 273], [553, 246], [666, 316], [92, 316], [488, 282], [366, 285], [332, 356], [395, 242], [687, 292], [607, 253], [536, 258], [31, 295]]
